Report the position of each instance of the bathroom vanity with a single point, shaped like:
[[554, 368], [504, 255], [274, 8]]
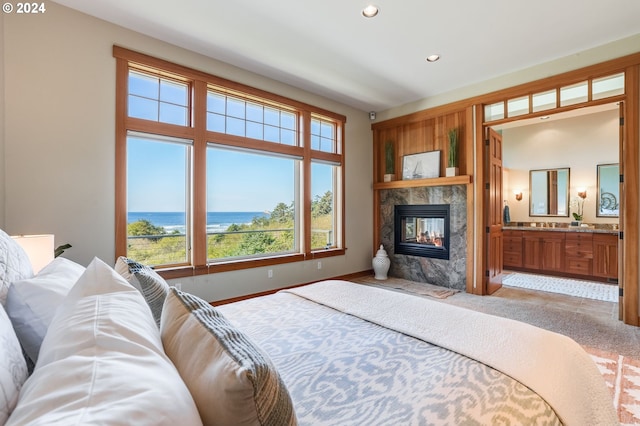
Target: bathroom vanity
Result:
[[568, 252]]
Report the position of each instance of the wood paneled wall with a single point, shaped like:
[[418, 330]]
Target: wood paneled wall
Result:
[[428, 134]]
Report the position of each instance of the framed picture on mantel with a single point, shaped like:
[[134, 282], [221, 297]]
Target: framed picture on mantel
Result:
[[421, 166]]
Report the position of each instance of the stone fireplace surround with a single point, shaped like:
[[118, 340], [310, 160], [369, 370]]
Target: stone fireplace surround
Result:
[[444, 273]]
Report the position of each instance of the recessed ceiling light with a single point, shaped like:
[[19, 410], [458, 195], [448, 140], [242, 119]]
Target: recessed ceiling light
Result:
[[546, 117], [370, 11], [433, 58]]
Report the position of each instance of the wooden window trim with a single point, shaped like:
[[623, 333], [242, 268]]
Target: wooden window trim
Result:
[[200, 82]]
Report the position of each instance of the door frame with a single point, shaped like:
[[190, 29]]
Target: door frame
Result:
[[629, 165]]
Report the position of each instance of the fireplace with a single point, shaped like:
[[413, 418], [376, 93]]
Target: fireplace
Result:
[[422, 230]]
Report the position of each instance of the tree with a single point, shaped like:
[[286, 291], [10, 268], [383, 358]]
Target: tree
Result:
[[144, 227], [322, 205], [282, 213]]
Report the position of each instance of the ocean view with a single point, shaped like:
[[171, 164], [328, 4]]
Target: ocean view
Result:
[[216, 221]]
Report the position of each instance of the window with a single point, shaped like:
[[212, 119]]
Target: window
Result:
[[243, 219], [324, 181], [158, 99], [574, 94], [158, 206], [212, 175], [570, 96], [236, 116], [518, 106]]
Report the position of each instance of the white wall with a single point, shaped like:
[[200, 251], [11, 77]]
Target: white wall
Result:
[[579, 143], [59, 128]]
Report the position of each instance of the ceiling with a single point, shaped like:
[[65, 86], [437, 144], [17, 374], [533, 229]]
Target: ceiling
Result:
[[330, 49]]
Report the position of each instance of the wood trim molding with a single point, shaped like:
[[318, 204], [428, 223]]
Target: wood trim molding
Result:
[[631, 216]]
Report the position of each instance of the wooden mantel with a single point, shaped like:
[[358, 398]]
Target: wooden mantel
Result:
[[415, 183]]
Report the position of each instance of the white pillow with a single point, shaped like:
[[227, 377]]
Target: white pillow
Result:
[[102, 362], [232, 381], [14, 264], [152, 286], [32, 302], [13, 368]]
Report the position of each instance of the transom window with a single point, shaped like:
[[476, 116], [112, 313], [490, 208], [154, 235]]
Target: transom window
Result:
[[236, 116], [571, 95], [213, 176], [158, 99]]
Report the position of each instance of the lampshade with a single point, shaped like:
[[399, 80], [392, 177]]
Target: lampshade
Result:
[[39, 248]]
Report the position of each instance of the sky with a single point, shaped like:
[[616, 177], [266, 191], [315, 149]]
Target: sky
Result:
[[156, 179]]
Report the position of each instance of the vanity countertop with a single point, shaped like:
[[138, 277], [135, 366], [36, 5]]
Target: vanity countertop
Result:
[[561, 229]]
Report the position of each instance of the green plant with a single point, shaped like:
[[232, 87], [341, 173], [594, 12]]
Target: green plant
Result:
[[453, 147], [389, 158], [60, 249]]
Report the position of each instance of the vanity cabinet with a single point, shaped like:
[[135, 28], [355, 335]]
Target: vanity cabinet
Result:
[[569, 253], [543, 250], [605, 256], [531, 251], [553, 251], [579, 253], [512, 249]]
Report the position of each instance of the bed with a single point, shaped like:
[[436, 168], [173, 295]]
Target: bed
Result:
[[123, 347]]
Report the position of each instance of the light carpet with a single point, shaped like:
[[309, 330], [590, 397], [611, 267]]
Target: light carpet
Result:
[[622, 375], [393, 283], [570, 287]]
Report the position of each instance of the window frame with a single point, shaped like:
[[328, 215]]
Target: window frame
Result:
[[200, 84]]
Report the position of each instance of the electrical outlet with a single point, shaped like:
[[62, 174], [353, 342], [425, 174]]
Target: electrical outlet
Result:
[[270, 273], [319, 265]]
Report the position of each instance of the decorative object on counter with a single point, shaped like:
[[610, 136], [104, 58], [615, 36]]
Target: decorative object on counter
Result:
[[381, 264], [421, 166], [518, 194], [578, 204], [389, 161], [452, 160]]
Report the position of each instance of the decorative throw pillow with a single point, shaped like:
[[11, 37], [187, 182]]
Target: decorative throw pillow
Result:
[[102, 362], [232, 381], [152, 286], [14, 264], [32, 302], [13, 368]]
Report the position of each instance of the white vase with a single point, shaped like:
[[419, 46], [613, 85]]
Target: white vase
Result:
[[451, 171], [381, 264]]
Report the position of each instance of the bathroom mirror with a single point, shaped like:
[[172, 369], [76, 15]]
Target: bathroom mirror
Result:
[[549, 192], [607, 201]]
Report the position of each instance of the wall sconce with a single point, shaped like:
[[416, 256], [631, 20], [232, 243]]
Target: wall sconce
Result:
[[582, 193], [39, 249], [518, 194]]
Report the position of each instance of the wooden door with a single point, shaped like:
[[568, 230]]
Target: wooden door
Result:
[[493, 215]]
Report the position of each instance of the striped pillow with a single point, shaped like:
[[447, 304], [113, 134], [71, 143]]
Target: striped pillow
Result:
[[232, 381], [152, 286]]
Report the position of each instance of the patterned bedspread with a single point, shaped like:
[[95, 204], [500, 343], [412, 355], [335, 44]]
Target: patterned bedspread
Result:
[[343, 370]]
